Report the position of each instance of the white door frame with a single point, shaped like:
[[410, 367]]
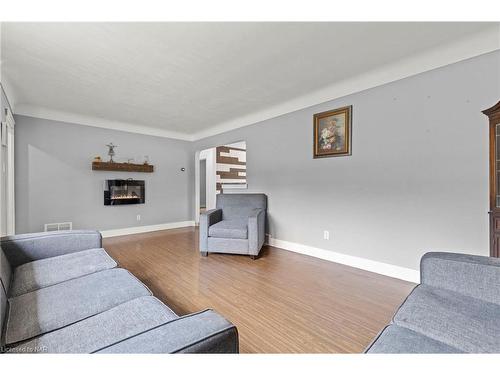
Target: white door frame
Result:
[[197, 188], [209, 156], [10, 175]]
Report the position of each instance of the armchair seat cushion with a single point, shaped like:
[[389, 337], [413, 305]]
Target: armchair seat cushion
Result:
[[467, 323], [50, 271], [234, 228]]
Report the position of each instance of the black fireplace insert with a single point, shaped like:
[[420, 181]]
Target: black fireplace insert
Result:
[[124, 192]]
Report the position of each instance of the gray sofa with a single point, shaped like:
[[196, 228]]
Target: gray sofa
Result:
[[62, 293], [455, 309], [236, 226]]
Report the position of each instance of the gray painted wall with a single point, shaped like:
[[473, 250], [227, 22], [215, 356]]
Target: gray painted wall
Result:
[[417, 179], [55, 183]]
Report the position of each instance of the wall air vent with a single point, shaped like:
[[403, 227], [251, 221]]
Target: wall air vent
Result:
[[58, 226]]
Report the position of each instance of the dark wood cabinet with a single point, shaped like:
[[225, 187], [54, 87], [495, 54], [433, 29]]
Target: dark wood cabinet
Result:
[[493, 114]]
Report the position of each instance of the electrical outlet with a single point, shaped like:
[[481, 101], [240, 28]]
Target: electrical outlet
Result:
[[326, 235], [138, 217]]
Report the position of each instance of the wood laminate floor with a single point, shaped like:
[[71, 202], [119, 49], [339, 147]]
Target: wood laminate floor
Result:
[[282, 302]]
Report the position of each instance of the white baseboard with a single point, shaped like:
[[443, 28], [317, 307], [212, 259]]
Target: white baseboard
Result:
[[386, 269], [145, 228]]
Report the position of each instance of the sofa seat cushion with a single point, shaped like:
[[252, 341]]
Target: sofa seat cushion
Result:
[[201, 332], [59, 305], [45, 272], [399, 340], [235, 228], [102, 330], [466, 323]]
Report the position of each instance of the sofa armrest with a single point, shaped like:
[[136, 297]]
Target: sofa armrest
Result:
[[256, 231], [208, 218], [202, 332], [24, 248], [472, 275]]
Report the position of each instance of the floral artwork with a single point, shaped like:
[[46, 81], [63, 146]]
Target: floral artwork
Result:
[[332, 133]]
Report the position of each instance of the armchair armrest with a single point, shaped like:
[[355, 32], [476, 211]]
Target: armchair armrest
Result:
[[472, 275], [208, 218], [256, 231], [24, 248], [202, 332]]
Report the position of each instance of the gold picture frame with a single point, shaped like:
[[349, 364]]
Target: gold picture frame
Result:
[[332, 133]]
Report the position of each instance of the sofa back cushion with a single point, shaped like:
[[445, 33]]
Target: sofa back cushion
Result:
[[5, 276], [5, 271], [3, 313], [472, 275], [240, 205]]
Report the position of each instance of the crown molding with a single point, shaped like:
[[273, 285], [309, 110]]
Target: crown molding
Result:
[[471, 46], [48, 114]]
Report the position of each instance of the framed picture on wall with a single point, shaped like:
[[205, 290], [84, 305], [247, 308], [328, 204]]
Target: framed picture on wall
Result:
[[332, 133]]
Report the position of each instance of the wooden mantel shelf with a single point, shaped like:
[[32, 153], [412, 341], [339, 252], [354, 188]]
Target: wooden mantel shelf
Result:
[[121, 167]]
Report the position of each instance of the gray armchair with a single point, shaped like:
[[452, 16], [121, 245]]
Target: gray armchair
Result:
[[236, 226]]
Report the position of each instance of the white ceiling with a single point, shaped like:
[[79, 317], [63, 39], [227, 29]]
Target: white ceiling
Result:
[[188, 80]]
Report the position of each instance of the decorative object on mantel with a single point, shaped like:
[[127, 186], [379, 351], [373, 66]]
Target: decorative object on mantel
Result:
[[122, 167], [97, 159], [332, 133], [111, 152]]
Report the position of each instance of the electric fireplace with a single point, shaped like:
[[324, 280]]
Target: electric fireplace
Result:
[[124, 192]]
